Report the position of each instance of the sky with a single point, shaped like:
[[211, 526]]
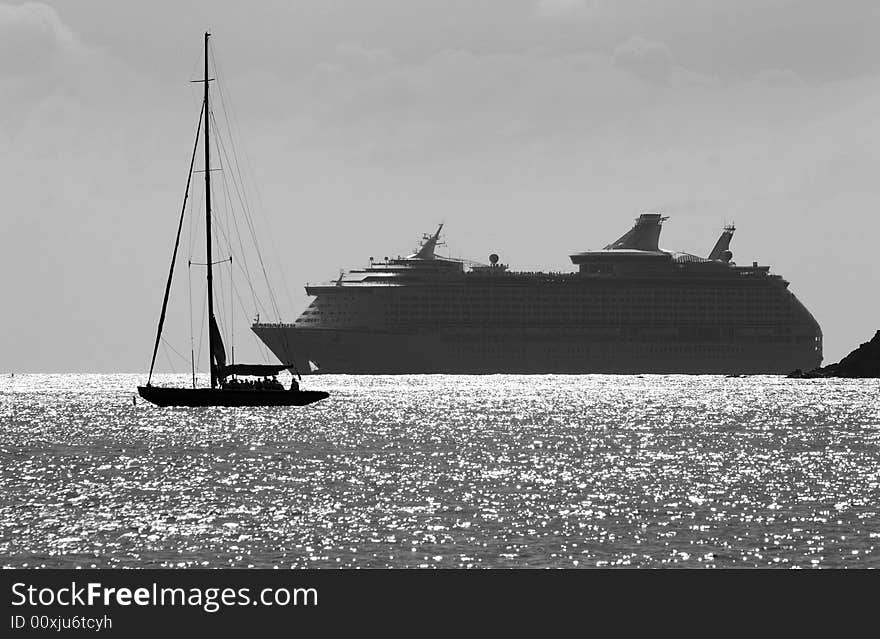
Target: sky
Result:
[[531, 128]]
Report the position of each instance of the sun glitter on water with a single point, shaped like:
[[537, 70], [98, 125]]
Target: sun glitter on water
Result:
[[446, 471]]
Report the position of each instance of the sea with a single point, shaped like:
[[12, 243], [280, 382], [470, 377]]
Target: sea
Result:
[[434, 471]]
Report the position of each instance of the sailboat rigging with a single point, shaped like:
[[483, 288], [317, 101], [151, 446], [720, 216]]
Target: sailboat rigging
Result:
[[226, 389]]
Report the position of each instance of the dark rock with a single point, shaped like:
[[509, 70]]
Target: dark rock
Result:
[[862, 362]]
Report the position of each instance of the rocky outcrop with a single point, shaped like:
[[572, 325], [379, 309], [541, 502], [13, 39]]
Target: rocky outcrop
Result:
[[862, 362]]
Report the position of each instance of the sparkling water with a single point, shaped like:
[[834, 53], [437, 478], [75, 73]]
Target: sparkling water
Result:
[[445, 471]]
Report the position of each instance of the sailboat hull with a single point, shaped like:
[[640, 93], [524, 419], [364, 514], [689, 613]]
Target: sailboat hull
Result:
[[162, 396]]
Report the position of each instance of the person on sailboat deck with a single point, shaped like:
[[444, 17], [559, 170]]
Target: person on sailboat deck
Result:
[[294, 385], [260, 384]]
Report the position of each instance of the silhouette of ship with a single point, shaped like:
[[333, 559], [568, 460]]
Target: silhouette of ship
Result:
[[631, 307]]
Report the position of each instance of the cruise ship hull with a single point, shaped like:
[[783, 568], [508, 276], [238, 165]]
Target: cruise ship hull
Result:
[[369, 352]]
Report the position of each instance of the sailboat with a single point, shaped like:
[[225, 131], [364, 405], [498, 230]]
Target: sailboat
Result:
[[226, 388]]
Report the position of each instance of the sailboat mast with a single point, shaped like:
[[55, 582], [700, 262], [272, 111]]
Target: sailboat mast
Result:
[[211, 319]]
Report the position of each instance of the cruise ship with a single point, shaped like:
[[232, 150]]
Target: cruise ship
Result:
[[631, 307]]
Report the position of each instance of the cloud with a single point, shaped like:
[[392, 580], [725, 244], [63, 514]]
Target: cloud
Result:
[[43, 60], [503, 124], [362, 59], [649, 60], [779, 78], [557, 7], [33, 38], [453, 102]]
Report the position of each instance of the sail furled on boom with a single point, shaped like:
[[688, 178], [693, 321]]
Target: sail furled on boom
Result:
[[257, 370], [217, 345]]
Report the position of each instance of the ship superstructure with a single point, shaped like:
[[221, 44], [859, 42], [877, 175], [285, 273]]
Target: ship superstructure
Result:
[[631, 307]]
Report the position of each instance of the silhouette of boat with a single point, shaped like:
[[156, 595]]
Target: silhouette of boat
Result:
[[193, 397], [226, 387]]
